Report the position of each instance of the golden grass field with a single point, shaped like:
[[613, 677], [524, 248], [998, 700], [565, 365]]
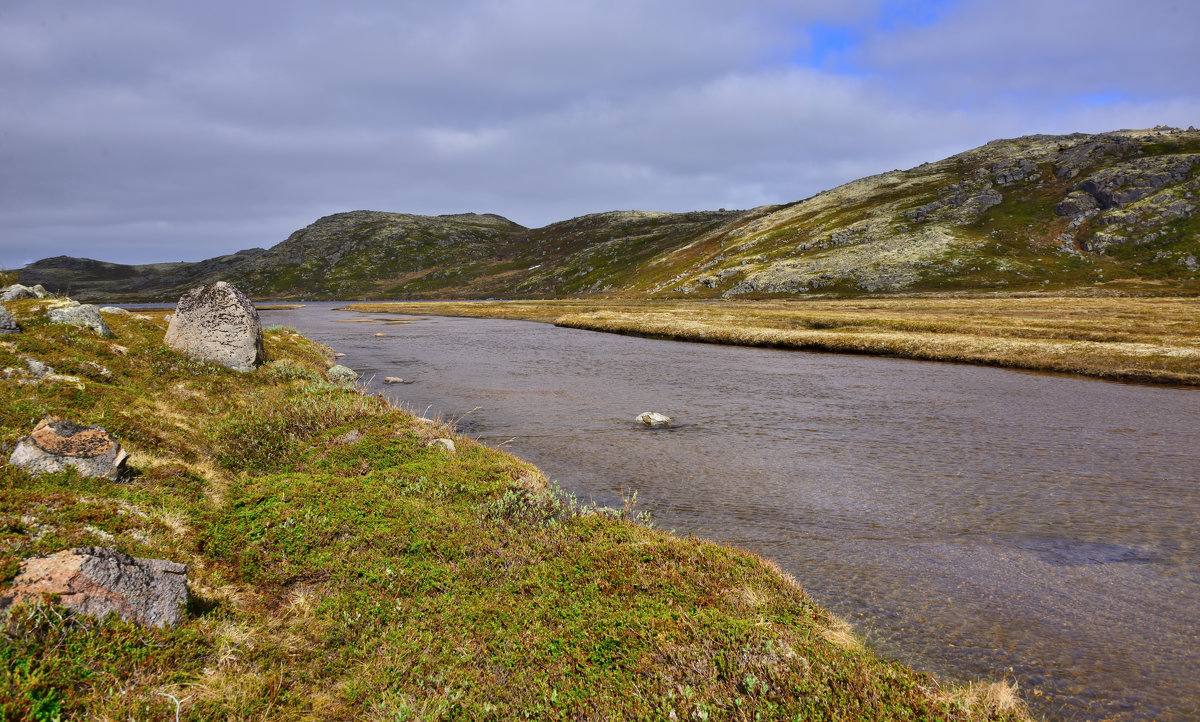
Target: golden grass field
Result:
[[1139, 339]]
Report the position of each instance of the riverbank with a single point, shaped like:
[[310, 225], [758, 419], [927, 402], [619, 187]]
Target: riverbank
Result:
[[340, 566], [1137, 339]]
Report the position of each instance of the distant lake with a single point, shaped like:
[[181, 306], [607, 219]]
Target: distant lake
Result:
[[972, 522]]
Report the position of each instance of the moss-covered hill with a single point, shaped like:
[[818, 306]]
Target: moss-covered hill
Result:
[[340, 567], [1116, 210]]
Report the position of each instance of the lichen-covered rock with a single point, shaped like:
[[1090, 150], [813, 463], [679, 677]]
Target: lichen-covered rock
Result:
[[54, 444], [98, 580], [83, 316], [217, 323], [445, 444], [340, 374], [8, 324], [40, 291], [114, 310], [16, 292]]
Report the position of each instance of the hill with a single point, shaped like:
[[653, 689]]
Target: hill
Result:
[[1115, 210]]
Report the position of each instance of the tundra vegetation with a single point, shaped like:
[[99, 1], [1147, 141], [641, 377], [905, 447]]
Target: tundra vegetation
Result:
[[341, 566]]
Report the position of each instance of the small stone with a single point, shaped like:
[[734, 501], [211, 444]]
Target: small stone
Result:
[[37, 368], [393, 380], [83, 316], [55, 444], [118, 349], [8, 324], [340, 374], [114, 310], [99, 580], [350, 437], [378, 335], [653, 418], [339, 355], [96, 369], [447, 444]]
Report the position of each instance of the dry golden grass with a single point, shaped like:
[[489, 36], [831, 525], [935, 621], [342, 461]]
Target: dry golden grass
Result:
[[1144, 339]]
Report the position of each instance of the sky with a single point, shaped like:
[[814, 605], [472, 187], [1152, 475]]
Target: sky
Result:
[[139, 131]]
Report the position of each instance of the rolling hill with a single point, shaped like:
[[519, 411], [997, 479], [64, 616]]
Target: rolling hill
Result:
[[1112, 210]]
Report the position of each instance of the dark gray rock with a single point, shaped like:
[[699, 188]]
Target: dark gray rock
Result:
[[1006, 173], [8, 324], [54, 444], [1076, 203], [83, 316], [217, 323], [98, 580], [1133, 180]]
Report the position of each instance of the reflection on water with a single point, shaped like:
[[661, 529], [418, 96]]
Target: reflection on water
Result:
[[970, 521]]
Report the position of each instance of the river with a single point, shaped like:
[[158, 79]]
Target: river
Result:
[[970, 521]]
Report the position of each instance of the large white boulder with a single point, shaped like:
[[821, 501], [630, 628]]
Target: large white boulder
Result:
[[217, 323]]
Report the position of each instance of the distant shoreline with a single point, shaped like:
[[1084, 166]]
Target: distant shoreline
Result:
[[1153, 340]]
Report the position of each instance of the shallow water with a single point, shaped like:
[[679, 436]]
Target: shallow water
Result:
[[973, 522]]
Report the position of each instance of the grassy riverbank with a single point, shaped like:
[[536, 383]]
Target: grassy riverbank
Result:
[[341, 568], [1145, 339]]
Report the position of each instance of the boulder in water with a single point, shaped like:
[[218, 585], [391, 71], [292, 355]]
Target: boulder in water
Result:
[[653, 418]]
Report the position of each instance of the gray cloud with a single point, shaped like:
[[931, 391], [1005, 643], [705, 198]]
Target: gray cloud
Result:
[[139, 131]]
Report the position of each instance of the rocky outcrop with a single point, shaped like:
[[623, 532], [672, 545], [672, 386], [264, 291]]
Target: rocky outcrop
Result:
[[54, 444], [217, 323], [8, 324], [82, 316], [340, 374], [961, 202], [98, 581], [653, 418], [1124, 183]]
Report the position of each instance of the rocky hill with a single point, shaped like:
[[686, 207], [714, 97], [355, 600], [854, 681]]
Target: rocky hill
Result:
[[1116, 210]]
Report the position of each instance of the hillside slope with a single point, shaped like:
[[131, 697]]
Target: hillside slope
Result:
[[1040, 212]]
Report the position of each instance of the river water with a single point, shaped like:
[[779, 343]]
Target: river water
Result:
[[972, 522]]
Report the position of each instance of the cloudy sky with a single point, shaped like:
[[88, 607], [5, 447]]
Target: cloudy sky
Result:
[[142, 130]]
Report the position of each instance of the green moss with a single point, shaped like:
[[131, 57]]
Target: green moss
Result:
[[341, 568]]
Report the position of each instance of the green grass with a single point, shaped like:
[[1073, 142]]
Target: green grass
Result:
[[341, 568]]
